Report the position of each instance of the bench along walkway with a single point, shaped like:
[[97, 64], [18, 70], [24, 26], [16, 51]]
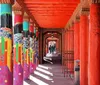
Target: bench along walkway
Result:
[[48, 74]]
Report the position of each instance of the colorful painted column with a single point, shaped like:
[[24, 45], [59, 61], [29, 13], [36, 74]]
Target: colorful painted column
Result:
[[26, 49], [94, 44], [17, 50], [35, 47], [6, 75], [77, 50], [84, 28], [31, 30]]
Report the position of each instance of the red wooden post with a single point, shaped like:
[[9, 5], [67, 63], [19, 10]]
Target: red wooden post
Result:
[[94, 45], [76, 49], [84, 25]]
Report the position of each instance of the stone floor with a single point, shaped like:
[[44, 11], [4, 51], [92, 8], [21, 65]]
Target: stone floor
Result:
[[48, 74]]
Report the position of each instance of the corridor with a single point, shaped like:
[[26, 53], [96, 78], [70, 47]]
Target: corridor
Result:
[[49, 42], [48, 74]]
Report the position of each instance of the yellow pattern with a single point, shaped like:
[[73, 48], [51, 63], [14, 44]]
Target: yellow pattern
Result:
[[27, 56], [9, 53], [20, 45]]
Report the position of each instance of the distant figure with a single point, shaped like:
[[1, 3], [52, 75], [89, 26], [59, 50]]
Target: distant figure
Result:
[[54, 47], [50, 49]]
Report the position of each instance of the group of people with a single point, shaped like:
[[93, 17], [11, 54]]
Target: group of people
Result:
[[52, 48]]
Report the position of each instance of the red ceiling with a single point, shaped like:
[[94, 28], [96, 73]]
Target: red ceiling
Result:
[[51, 13]]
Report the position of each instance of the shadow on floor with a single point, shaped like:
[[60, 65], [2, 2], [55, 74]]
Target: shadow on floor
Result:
[[48, 74]]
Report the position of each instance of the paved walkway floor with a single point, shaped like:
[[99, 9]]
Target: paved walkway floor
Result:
[[48, 75]]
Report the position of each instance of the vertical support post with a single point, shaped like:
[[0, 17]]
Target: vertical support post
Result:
[[6, 75], [84, 27], [31, 30], [77, 51], [17, 49], [94, 44], [36, 47], [26, 49], [71, 54]]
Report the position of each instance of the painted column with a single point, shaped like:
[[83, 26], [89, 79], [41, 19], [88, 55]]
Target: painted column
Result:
[[35, 47], [94, 44], [77, 51], [6, 75], [26, 49], [17, 50], [31, 30], [84, 27]]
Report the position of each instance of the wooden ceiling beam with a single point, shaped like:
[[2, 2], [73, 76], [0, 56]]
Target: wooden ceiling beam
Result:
[[53, 3], [52, 9], [50, 6]]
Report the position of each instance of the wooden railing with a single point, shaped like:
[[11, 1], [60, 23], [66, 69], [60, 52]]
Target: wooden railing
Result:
[[68, 64]]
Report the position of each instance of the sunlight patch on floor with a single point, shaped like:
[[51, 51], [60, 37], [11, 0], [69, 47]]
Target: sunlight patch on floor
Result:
[[44, 71], [42, 75], [37, 81], [44, 67], [25, 83]]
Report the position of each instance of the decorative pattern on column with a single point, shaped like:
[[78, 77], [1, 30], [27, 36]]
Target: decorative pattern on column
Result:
[[84, 28], [26, 49], [31, 30], [18, 57], [36, 46], [94, 45], [6, 76]]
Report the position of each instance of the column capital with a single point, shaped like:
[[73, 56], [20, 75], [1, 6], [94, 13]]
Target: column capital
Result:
[[85, 11], [77, 19], [17, 9], [6, 1], [26, 17]]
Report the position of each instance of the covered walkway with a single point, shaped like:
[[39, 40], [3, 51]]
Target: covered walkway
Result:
[[49, 75], [49, 42]]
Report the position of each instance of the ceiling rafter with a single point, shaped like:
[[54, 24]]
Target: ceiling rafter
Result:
[[49, 6], [51, 13]]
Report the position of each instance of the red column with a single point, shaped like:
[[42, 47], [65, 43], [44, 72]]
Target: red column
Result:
[[76, 51], [65, 41], [76, 40], [72, 50], [94, 45], [84, 25]]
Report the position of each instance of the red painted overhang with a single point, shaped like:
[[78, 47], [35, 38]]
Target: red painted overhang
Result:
[[51, 13]]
